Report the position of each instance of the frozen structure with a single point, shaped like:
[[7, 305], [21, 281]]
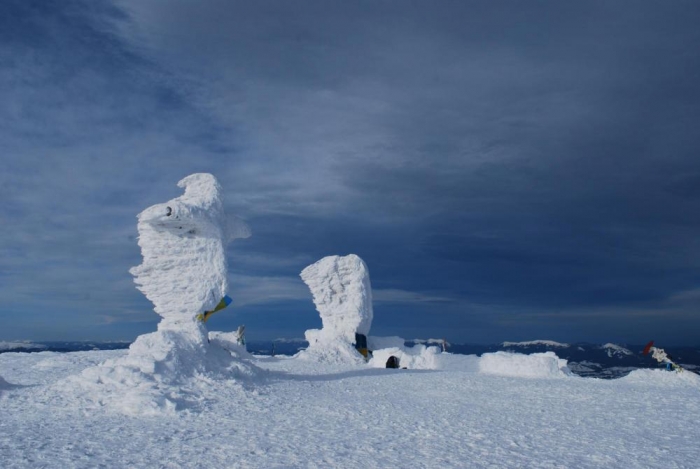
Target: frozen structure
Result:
[[183, 274], [343, 297], [417, 357], [184, 265]]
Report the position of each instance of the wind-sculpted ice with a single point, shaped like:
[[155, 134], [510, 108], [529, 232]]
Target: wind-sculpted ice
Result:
[[343, 297], [182, 242], [183, 274]]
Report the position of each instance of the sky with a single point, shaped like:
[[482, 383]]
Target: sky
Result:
[[507, 170]]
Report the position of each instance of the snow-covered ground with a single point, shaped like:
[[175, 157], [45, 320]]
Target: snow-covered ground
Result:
[[502, 410]]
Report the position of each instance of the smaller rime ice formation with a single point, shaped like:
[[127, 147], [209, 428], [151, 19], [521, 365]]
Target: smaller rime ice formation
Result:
[[343, 297], [183, 274]]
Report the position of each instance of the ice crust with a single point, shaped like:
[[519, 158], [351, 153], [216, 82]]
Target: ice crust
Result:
[[342, 293], [183, 273]]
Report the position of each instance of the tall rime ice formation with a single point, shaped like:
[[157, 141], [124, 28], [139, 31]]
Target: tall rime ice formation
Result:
[[183, 273], [182, 242]]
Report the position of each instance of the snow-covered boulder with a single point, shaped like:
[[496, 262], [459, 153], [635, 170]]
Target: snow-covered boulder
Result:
[[342, 294], [536, 365]]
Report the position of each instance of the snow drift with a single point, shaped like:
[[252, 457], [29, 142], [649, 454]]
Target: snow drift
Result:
[[343, 297], [418, 357], [183, 274], [537, 365], [4, 384]]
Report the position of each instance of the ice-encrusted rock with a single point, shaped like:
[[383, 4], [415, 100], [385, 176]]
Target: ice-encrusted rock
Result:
[[342, 294]]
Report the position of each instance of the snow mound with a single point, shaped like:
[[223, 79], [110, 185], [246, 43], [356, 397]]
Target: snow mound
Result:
[[663, 378], [547, 343], [322, 350], [536, 365], [184, 267], [343, 297], [418, 357], [183, 274], [229, 341], [163, 372]]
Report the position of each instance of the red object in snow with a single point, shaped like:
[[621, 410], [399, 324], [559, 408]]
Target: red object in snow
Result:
[[648, 347]]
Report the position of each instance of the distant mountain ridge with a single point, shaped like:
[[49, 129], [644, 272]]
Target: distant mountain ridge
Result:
[[591, 360]]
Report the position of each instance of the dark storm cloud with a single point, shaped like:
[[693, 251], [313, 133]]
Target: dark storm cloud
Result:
[[502, 167]]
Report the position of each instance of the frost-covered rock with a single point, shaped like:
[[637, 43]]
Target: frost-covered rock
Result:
[[342, 294], [536, 365], [183, 273], [419, 356]]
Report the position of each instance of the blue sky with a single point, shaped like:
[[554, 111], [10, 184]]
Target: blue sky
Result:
[[507, 170]]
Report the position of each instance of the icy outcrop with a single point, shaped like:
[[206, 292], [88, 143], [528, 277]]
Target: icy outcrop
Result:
[[536, 365], [342, 294], [183, 273]]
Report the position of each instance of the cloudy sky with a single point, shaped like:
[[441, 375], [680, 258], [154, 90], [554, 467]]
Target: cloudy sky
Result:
[[507, 170]]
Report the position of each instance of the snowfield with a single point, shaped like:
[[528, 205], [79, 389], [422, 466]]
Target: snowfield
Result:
[[499, 411], [183, 397]]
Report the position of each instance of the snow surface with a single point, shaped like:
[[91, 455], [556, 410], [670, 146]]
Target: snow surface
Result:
[[342, 294], [4, 346], [295, 413]]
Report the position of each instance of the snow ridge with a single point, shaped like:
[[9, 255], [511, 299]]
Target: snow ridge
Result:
[[548, 343]]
